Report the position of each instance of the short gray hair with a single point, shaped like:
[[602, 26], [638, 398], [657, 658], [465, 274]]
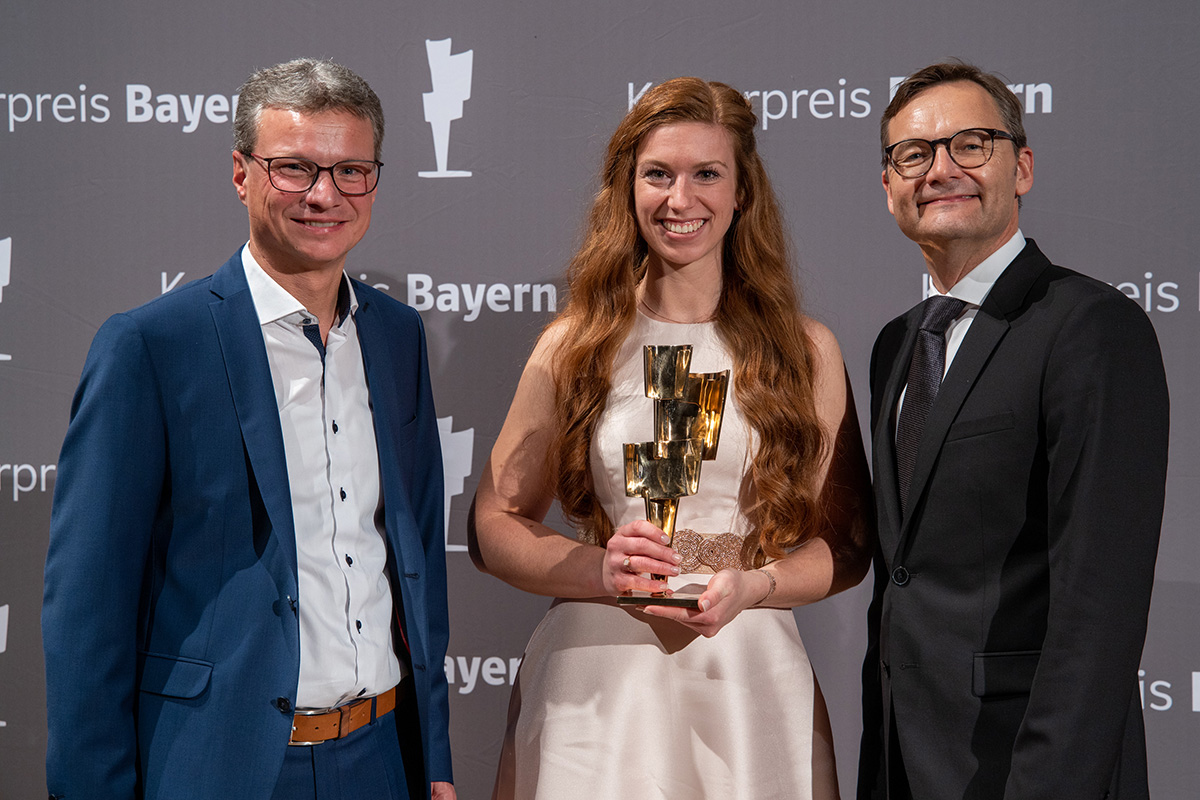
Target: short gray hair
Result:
[[307, 85]]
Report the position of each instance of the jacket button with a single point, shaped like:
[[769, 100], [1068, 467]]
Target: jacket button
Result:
[[284, 705], [900, 576]]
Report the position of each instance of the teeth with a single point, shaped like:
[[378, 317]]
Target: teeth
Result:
[[320, 224], [683, 227]]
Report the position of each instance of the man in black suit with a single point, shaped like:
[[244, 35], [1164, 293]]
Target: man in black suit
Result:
[[1020, 496]]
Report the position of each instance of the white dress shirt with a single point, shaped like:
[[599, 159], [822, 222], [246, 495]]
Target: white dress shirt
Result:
[[971, 289], [345, 600]]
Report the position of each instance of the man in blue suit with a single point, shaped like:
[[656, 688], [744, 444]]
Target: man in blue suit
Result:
[[245, 588]]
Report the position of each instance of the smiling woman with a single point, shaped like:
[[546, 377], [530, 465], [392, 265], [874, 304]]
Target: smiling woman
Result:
[[685, 246], [685, 195]]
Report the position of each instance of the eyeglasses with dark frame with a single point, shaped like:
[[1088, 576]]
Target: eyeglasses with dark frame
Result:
[[297, 175], [970, 149]]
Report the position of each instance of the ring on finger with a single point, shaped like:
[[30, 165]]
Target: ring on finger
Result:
[[626, 565]]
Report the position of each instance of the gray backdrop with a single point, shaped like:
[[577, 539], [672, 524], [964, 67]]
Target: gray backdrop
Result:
[[114, 166]]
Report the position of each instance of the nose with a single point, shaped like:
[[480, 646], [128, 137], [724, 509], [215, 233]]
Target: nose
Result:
[[679, 196], [323, 192], [943, 166]]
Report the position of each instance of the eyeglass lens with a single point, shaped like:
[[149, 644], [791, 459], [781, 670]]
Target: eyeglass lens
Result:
[[970, 148], [300, 175]]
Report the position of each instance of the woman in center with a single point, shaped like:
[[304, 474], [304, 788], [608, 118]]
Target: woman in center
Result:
[[685, 245]]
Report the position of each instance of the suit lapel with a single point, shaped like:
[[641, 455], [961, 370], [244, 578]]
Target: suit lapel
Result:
[[987, 330], [249, 375], [984, 335], [896, 349], [382, 371]]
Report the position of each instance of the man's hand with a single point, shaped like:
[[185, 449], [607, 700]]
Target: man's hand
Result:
[[440, 790]]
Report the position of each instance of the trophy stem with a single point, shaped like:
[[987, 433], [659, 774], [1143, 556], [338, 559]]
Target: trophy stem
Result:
[[660, 511]]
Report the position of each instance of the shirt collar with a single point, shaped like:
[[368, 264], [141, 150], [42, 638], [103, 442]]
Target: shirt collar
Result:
[[975, 285], [273, 303]]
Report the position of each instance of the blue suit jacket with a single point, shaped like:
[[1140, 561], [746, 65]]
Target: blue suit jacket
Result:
[[169, 623]]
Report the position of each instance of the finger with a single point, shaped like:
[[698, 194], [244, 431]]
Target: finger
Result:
[[643, 530], [644, 556], [647, 564], [676, 613], [713, 595]]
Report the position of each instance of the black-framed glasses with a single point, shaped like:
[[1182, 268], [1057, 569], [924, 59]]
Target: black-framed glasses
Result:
[[296, 175], [970, 148]]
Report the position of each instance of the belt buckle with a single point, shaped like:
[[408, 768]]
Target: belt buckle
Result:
[[343, 718]]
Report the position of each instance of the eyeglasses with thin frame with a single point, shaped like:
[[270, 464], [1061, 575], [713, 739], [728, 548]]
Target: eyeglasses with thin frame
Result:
[[970, 148], [297, 175]]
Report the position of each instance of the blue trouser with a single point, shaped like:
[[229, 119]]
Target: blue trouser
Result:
[[365, 764]]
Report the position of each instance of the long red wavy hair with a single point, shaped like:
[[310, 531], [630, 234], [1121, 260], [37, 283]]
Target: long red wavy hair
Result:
[[757, 317]]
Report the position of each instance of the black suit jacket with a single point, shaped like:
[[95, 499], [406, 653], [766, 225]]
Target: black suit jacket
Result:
[[1011, 600]]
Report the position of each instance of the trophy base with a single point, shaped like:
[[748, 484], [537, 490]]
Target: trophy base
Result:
[[674, 599]]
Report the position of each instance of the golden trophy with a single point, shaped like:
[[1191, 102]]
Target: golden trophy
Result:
[[687, 428]]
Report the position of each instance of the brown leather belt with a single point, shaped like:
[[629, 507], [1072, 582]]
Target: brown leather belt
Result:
[[314, 727]]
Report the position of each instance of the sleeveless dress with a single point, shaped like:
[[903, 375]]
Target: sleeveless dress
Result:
[[611, 703]]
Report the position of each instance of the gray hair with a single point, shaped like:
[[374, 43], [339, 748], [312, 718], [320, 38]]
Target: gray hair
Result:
[[308, 85]]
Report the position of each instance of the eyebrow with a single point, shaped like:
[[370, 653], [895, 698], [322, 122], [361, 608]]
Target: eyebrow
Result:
[[659, 163]]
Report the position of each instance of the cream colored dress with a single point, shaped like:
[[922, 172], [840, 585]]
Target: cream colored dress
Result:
[[611, 703]]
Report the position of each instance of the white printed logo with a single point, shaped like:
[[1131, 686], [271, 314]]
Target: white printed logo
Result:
[[5, 261], [457, 450], [1034, 94], [451, 78], [928, 290], [3, 639]]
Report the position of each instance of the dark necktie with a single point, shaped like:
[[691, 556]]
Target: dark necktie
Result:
[[924, 379]]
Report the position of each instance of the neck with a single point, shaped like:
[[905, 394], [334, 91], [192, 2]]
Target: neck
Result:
[[317, 290], [949, 261], [680, 294]]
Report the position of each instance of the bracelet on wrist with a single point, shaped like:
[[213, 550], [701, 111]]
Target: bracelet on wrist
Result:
[[770, 589]]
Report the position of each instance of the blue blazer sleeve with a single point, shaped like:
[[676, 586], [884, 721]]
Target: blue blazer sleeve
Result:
[[110, 478], [428, 497]]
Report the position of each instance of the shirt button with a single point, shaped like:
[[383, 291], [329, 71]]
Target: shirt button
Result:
[[358, 625], [900, 576], [349, 560], [342, 492], [335, 426]]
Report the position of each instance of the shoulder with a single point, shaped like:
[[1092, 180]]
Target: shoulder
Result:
[[1086, 303], [169, 322], [194, 296], [826, 352], [165, 309], [895, 329], [1033, 283], [550, 342]]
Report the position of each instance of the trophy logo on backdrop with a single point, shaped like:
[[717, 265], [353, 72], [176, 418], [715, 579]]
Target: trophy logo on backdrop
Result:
[[5, 262], [458, 447], [451, 78]]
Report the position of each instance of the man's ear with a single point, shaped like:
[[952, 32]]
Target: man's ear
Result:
[[239, 175], [1024, 171]]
